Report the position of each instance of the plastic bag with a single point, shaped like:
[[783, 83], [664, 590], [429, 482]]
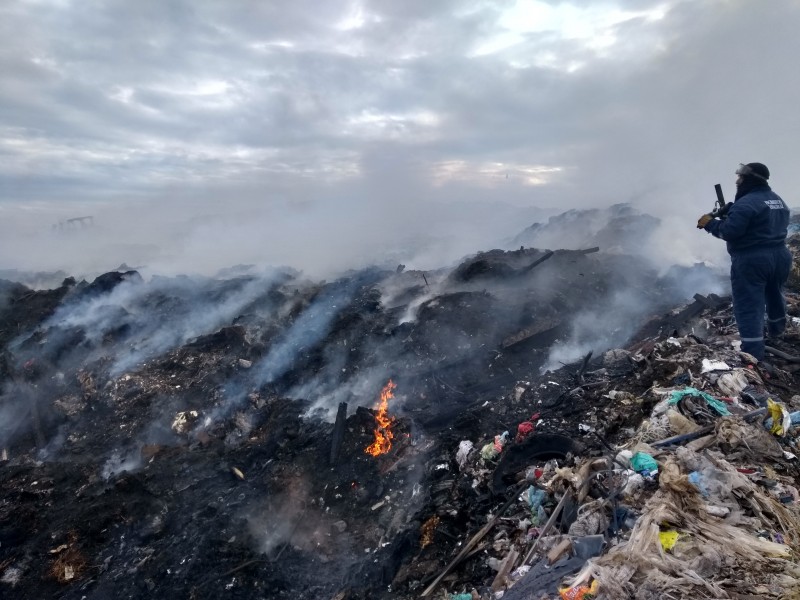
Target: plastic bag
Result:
[[781, 418], [492, 450], [641, 462]]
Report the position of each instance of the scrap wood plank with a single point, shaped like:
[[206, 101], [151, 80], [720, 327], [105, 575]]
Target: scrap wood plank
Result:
[[558, 550], [541, 326], [505, 568]]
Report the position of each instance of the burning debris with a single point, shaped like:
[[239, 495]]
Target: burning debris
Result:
[[383, 423], [192, 438]]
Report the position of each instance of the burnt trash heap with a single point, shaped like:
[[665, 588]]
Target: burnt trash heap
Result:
[[392, 434]]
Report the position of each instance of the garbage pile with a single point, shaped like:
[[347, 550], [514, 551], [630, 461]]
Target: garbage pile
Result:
[[393, 434], [700, 500]]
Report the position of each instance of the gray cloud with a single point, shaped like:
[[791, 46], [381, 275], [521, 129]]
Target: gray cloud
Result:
[[324, 124]]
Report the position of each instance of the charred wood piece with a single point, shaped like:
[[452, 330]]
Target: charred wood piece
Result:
[[540, 327], [712, 301], [337, 437], [534, 264], [582, 369]]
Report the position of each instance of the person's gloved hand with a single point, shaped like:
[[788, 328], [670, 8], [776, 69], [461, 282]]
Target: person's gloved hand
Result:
[[703, 221]]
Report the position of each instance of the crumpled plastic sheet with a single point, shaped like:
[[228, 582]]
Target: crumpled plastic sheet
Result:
[[462, 454], [714, 365], [733, 382], [543, 579], [717, 405]]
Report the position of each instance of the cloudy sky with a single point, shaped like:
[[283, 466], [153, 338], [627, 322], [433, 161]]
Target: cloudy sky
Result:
[[211, 132]]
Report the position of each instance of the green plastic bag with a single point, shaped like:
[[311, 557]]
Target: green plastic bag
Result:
[[642, 461]]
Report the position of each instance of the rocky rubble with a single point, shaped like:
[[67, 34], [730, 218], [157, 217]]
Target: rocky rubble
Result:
[[206, 438]]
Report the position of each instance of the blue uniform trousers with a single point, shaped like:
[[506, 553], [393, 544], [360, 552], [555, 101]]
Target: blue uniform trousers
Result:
[[757, 280]]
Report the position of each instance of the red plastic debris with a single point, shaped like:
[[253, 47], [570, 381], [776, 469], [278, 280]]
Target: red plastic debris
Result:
[[526, 427], [523, 429]]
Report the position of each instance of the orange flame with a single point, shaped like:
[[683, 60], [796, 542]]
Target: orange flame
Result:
[[383, 431]]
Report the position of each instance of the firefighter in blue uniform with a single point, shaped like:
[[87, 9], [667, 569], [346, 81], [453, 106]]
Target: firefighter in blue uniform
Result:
[[755, 231]]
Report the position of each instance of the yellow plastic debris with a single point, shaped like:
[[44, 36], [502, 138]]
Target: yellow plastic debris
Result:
[[781, 421], [668, 539]]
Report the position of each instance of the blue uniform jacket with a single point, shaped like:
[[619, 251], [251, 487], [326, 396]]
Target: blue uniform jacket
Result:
[[757, 220]]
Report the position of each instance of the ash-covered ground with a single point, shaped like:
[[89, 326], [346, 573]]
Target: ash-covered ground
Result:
[[178, 437]]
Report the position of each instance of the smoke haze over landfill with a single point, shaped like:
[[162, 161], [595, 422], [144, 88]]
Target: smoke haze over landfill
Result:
[[201, 135]]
